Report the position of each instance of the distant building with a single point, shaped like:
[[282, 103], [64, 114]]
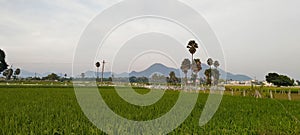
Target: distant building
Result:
[[243, 83], [2, 79], [268, 84]]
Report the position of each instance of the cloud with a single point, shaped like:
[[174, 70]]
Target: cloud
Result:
[[257, 36]]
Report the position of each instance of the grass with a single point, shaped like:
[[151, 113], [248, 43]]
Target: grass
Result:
[[54, 110]]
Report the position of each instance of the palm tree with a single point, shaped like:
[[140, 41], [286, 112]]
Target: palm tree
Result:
[[103, 63], [216, 73], [8, 73], [5, 72], [185, 66], [196, 67], [216, 64], [210, 62], [208, 76], [208, 73], [17, 72], [192, 45], [97, 65]]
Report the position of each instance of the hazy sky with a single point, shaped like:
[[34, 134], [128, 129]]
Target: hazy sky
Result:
[[258, 36]]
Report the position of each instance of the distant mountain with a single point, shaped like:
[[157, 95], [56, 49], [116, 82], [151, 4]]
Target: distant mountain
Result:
[[238, 77], [26, 74], [164, 70], [155, 68], [122, 75]]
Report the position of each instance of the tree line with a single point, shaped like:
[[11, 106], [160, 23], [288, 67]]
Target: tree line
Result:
[[212, 75]]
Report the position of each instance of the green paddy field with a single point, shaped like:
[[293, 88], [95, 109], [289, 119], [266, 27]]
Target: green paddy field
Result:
[[54, 110]]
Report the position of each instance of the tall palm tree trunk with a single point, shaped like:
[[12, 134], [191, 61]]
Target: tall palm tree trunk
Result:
[[192, 66], [185, 76], [185, 80], [196, 76], [102, 73], [210, 76], [97, 73]]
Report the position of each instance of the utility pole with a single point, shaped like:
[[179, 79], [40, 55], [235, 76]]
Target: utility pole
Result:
[[103, 63]]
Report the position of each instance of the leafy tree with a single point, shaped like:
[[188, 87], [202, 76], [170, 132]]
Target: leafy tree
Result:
[[110, 79], [132, 79], [158, 79], [279, 80], [3, 64], [185, 66], [298, 82], [172, 78], [51, 76], [82, 75], [271, 77], [144, 80]]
